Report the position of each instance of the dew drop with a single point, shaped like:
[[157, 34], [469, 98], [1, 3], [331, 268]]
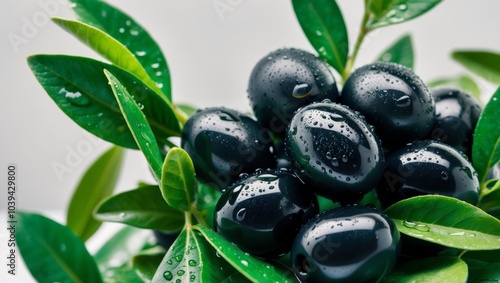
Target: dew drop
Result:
[[337, 117], [240, 215], [180, 272], [75, 98], [301, 90], [403, 101], [244, 262], [168, 275], [267, 177], [335, 162], [444, 175], [228, 117], [457, 234]]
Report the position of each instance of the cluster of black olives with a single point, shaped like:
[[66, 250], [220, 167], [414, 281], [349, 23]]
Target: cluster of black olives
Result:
[[384, 132]]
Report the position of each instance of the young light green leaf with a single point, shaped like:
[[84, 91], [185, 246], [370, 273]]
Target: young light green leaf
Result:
[[146, 263], [389, 12], [81, 90], [138, 125], [98, 182], [486, 142], [52, 252], [490, 199], [324, 27], [463, 82], [481, 271], [188, 109], [252, 268], [109, 48], [123, 273], [178, 181], [401, 52], [129, 33], [120, 247], [434, 269], [446, 221], [206, 200], [192, 259], [483, 63], [143, 207]]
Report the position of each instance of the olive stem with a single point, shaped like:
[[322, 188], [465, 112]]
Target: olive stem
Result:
[[364, 30]]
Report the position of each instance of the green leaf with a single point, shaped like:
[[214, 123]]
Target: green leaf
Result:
[[143, 207], [401, 52], [206, 200], [483, 63], [252, 268], [481, 271], [138, 125], [111, 49], [129, 33], [81, 90], [486, 141], [52, 252], [490, 200], [446, 221], [125, 273], [192, 259], [463, 82], [487, 256], [118, 250], [434, 269], [324, 27], [146, 263], [177, 181], [98, 182], [389, 12], [188, 109]]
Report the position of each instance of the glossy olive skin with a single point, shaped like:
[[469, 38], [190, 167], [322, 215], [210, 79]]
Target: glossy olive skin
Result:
[[334, 149], [393, 99], [347, 244], [427, 167], [224, 143], [457, 113], [285, 80], [263, 212]]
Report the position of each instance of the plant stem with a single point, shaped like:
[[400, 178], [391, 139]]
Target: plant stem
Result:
[[197, 215], [364, 30]]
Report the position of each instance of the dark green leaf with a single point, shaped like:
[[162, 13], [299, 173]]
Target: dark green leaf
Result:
[[81, 90], [487, 256], [192, 259], [401, 52], [252, 268], [324, 27], [463, 82], [129, 33], [138, 125], [98, 182], [52, 252], [486, 142], [146, 263], [389, 12], [118, 250], [188, 109], [483, 63], [434, 269], [446, 221], [177, 180], [484, 272], [111, 49], [143, 208]]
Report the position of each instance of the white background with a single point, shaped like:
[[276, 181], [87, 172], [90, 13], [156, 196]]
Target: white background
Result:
[[210, 56]]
